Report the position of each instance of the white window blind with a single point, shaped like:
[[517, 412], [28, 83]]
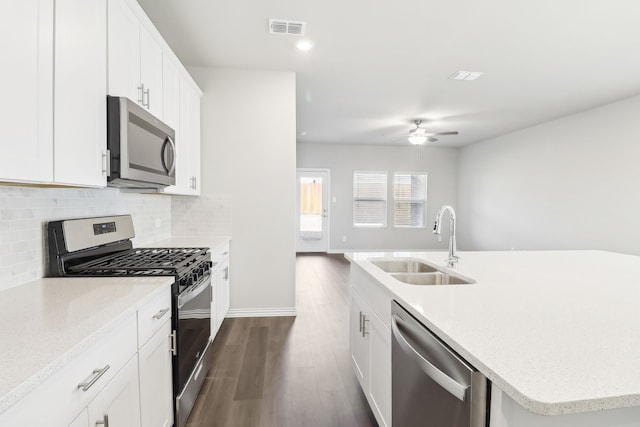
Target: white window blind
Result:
[[410, 199], [370, 199]]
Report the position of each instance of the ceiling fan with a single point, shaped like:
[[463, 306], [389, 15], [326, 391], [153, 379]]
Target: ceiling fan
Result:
[[420, 135]]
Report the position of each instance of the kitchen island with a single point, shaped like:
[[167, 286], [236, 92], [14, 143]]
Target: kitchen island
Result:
[[556, 332]]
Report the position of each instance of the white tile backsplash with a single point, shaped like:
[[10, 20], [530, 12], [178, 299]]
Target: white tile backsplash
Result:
[[24, 212], [204, 215]]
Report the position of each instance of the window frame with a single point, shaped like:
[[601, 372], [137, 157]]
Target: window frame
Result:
[[424, 201], [385, 200]]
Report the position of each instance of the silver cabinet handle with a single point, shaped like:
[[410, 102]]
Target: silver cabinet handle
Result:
[[104, 421], [95, 376], [360, 329], [226, 274], [446, 382], [225, 253], [195, 182], [105, 170], [174, 347], [161, 313], [141, 96], [148, 105], [364, 325]]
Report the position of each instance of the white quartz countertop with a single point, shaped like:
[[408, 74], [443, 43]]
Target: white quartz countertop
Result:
[[558, 331], [47, 323]]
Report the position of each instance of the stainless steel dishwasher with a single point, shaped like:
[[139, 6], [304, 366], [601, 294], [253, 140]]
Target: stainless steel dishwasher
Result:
[[431, 385]]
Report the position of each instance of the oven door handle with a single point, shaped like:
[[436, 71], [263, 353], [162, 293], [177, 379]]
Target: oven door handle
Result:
[[187, 296]]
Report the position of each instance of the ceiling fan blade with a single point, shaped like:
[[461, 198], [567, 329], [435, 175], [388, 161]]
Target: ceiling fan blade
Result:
[[455, 132], [432, 139]]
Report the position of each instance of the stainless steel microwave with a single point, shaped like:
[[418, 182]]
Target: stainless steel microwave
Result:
[[142, 149]]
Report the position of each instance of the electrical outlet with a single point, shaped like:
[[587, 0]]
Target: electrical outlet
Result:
[[157, 223], [344, 238]]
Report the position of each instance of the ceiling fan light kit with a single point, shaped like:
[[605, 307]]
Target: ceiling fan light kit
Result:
[[420, 135]]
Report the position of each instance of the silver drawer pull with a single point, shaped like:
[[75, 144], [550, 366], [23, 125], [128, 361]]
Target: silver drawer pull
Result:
[[104, 421], [225, 253], [95, 376], [161, 313]]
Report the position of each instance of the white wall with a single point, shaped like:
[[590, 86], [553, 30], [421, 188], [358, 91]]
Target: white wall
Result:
[[25, 211], [572, 183], [248, 155], [343, 159]]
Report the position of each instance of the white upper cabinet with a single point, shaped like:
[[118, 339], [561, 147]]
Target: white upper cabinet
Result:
[[187, 140], [170, 93], [123, 49], [151, 73], [60, 60], [26, 116], [80, 119], [135, 59]]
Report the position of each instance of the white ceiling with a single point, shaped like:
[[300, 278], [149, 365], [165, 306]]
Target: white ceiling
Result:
[[377, 64]]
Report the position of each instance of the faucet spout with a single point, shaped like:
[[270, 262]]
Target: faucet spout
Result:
[[452, 258]]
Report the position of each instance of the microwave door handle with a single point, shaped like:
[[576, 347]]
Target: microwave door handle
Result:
[[173, 150], [168, 141]]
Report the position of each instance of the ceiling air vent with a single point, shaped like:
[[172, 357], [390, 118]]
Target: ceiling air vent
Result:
[[281, 26]]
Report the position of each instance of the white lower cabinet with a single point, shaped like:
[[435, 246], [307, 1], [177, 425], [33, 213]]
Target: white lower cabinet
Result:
[[359, 340], [119, 381], [220, 292], [370, 343], [81, 420], [118, 404], [380, 370], [156, 406]]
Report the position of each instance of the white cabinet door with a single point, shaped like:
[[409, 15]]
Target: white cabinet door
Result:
[[224, 291], [81, 420], [170, 93], [123, 51], [187, 140], [118, 404], [380, 370], [156, 406], [359, 339], [194, 145], [185, 179], [151, 73], [80, 129], [26, 115]]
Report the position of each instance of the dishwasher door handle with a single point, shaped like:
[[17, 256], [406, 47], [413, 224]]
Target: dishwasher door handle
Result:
[[449, 384]]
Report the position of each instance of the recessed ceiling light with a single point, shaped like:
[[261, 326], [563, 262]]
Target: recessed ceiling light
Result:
[[466, 75], [304, 45]]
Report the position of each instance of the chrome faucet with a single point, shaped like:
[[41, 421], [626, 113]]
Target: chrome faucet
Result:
[[452, 259]]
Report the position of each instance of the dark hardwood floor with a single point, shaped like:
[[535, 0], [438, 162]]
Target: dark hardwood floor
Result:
[[288, 371]]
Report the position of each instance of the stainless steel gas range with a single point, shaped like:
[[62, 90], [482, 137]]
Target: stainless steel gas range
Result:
[[102, 247]]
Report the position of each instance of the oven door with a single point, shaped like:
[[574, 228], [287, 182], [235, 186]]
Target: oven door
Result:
[[193, 328]]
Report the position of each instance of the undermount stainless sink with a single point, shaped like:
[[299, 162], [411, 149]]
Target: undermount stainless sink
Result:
[[418, 272], [403, 266], [427, 279]]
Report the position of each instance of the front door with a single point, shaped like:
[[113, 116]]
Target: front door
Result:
[[312, 218]]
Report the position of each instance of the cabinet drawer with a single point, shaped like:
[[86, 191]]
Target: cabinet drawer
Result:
[[152, 316], [69, 398]]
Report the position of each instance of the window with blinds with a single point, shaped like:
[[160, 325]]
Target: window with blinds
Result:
[[369, 199], [410, 199]]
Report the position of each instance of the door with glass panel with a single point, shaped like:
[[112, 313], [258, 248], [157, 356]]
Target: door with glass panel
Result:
[[312, 217]]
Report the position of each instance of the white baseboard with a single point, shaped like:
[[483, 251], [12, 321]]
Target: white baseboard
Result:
[[261, 312]]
